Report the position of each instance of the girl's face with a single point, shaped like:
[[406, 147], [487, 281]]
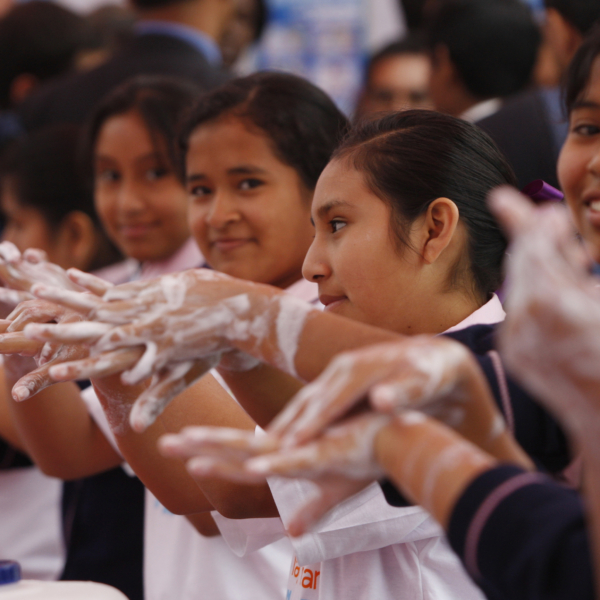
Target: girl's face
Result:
[[138, 196], [249, 212], [579, 163], [360, 272]]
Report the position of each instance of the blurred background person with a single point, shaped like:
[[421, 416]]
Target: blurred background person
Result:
[[39, 41], [177, 38], [531, 127], [397, 78], [112, 27], [482, 52], [244, 30]]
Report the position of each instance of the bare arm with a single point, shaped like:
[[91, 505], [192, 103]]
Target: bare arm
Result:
[[206, 402]]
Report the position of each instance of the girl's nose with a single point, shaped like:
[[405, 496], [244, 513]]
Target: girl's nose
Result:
[[316, 266], [222, 212]]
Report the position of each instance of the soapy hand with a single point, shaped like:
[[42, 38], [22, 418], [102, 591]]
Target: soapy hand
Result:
[[340, 463], [433, 374], [181, 320], [550, 340], [21, 271]]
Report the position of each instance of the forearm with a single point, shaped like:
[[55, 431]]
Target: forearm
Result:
[[206, 402], [432, 471], [262, 391], [60, 435]]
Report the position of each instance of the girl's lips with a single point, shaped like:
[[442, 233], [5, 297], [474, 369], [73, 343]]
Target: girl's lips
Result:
[[592, 211], [227, 244], [135, 230], [331, 302]]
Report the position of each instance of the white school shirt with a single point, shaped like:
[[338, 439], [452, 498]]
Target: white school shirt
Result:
[[179, 563], [30, 522], [363, 548]]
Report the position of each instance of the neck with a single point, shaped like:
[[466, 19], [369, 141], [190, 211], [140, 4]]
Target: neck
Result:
[[210, 18], [442, 313]]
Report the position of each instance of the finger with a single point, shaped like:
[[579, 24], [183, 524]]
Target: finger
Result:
[[82, 331], [512, 209], [35, 255], [31, 384], [192, 441], [49, 352], [90, 282], [13, 297], [126, 291], [9, 252], [43, 312], [320, 403], [18, 343], [78, 301], [208, 466], [103, 365], [165, 386], [4, 325], [328, 497]]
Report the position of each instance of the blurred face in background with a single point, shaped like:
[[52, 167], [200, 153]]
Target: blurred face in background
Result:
[[397, 82], [24, 226], [240, 32], [138, 196]]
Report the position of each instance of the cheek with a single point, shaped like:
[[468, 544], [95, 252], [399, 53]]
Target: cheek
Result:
[[196, 216], [570, 170], [105, 209]]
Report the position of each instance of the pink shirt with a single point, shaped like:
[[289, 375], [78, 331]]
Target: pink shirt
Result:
[[491, 312]]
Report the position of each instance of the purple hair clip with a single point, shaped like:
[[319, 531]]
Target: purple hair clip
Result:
[[540, 191]]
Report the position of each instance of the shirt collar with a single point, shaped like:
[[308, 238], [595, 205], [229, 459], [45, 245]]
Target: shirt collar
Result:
[[202, 42], [187, 257], [489, 314]]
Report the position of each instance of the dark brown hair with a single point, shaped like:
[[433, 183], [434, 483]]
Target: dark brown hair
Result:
[[578, 74], [302, 123], [412, 157]]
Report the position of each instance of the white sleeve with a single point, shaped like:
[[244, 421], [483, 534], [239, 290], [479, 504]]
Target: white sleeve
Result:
[[244, 536], [97, 413]]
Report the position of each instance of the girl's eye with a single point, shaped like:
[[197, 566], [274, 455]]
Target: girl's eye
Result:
[[336, 225], [107, 175], [200, 191], [250, 184], [586, 129], [156, 173]]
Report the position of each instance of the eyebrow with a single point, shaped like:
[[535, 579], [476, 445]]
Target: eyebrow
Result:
[[239, 170], [326, 208], [585, 104], [157, 155]]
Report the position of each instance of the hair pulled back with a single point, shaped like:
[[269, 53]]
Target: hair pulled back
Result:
[[413, 157], [302, 123]]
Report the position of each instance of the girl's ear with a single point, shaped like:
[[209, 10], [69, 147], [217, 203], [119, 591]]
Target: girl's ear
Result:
[[440, 223], [76, 240]]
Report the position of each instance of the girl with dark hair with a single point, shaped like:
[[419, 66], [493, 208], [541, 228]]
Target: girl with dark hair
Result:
[[402, 262], [131, 153]]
